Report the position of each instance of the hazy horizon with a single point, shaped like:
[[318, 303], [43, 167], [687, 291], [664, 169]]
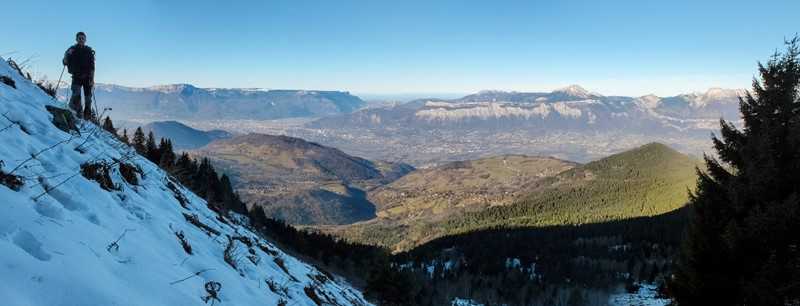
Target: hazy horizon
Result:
[[622, 48]]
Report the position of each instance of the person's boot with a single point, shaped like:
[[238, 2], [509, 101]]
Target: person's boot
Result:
[[88, 115], [75, 105]]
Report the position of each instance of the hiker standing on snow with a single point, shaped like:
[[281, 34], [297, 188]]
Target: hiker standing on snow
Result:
[[79, 60]]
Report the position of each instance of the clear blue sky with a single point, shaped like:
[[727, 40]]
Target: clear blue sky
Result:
[[612, 47]]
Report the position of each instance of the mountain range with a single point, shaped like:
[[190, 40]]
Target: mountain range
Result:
[[567, 109], [569, 123], [187, 102]]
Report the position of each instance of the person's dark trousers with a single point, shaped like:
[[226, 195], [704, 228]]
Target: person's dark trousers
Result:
[[75, 101]]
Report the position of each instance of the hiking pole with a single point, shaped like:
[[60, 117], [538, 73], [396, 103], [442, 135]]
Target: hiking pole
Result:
[[94, 100], [59, 81]]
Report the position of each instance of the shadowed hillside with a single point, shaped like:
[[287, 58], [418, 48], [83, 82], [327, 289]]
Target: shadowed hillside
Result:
[[301, 182]]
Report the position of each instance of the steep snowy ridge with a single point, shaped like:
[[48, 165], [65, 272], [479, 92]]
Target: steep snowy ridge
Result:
[[64, 240]]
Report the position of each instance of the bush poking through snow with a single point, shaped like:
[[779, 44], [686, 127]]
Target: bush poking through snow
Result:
[[8, 81], [178, 195], [16, 67], [254, 258], [279, 289], [128, 173], [312, 294], [194, 220], [49, 88], [98, 172], [184, 243], [281, 264], [319, 277], [231, 254], [9, 180], [282, 302], [265, 248], [244, 239]]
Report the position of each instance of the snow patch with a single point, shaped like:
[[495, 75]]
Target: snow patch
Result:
[[66, 241], [646, 296]]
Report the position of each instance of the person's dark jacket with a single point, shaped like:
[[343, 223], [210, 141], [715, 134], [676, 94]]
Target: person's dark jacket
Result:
[[80, 61]]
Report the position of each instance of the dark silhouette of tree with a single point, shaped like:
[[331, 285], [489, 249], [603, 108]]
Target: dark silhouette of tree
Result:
[[151, 149], [124, 137], [138, 141], [229, 197], [167, 159], [390, 287], [109, 126], [185, 169], [742, 242]]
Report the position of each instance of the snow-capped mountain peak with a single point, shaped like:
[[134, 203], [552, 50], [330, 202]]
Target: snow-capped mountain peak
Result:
[[722, 93], [649, 101], [575, 91], [714, 94], [172, 88]]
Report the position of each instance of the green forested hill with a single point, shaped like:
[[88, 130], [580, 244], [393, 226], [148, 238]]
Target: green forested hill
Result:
[[650, 180], [647, 181]]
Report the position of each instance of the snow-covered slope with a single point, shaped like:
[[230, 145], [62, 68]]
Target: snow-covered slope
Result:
[[58, 231]]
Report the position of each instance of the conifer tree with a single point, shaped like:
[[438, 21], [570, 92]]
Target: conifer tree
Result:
[[151, 149], [109, 126], [138, 141], [124, 137], [743, 242], [185, 168], [167, 159], [229, 196]]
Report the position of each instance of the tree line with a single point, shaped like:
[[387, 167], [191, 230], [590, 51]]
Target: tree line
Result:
[[363, 265]]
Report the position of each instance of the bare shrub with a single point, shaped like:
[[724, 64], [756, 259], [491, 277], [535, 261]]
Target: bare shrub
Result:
[[9, 180], [194, 220], [8, 81], [48, 87], [281, 264], [128, 173], [312, 294], [184, 243], [231, 254], [266, 249], [98, 172], [280, 289], [178, 195]]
